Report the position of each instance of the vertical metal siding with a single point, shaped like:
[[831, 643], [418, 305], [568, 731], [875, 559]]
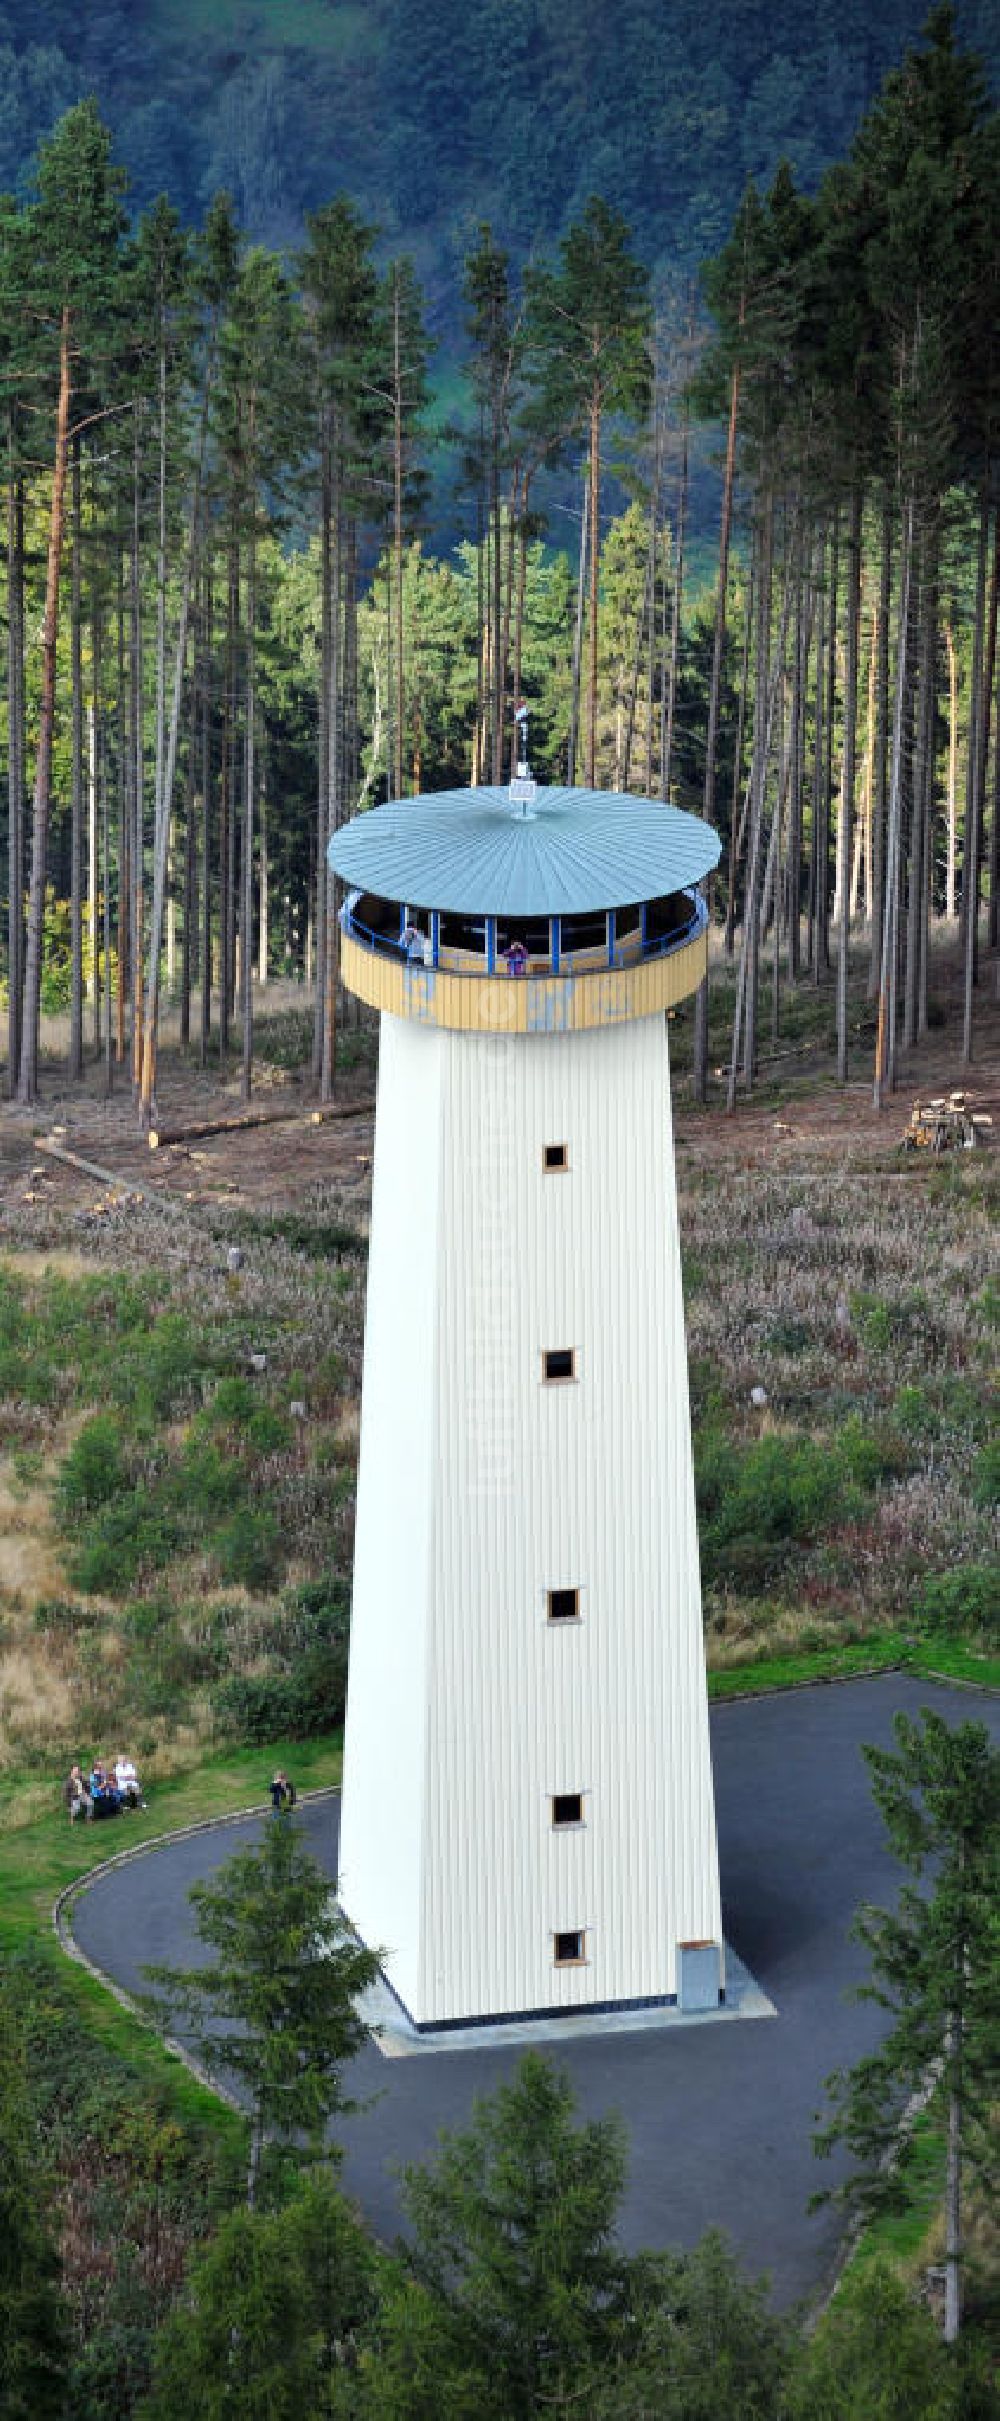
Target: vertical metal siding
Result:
[[586, 1484]]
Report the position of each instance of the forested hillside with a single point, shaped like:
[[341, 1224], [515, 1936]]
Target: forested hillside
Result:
[[226, 631], [435, 114]]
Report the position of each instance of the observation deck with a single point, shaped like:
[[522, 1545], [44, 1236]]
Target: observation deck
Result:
[[523, 910]]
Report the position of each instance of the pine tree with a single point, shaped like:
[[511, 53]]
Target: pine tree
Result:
[[935, 1968], [76, 230], [340, 290], [286, 1974], [513, 2298], [587, 339], [268, 2324]]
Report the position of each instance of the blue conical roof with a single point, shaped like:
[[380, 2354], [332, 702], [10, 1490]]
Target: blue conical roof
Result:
[[523, 851]]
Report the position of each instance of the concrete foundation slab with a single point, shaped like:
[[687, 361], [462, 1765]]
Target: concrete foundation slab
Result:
[[398, 2038]]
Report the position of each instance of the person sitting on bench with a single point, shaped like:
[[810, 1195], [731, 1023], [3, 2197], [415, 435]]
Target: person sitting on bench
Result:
[[107, 1801], [127, 1783], [76, 1796]]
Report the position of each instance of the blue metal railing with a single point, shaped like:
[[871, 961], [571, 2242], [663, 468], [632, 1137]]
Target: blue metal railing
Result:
[[410, 953]]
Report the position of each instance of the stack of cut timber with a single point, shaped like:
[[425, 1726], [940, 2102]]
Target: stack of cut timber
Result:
[[944, 1124]]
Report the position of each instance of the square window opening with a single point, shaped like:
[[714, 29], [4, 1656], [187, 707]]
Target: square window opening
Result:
[[559, 1363], [555, 1156], [569, 1949], [567, 1807], [563, 1605]]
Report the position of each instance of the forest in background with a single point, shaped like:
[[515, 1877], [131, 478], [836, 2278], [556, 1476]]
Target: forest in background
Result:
[[225, 631], [433, 117]]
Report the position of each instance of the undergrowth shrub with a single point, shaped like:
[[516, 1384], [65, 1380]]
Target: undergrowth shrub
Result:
[[305, 1690], [94, 1470], [248, 1549], [757, 1502], [986, 1476], [964, 1600], [63, 1617], [882, 1324], [136, 1533]]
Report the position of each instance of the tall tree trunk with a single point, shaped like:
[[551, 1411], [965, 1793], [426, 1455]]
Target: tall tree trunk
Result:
[[581, 591], [323, 746], [675, 619], [27, 1086], [138, 743], [714, 701], [227, 802], [104, 823], [819, 758], [249, 790], [885, 1041], [76, 773], [522, 587], [951, 849], [15, 763], [993, 923], [861, 894], [205, 1004], [800, 676], [845, 809], [166, 743], [927, 727], [397, 532], [93, 874], [496, 574], [326, 963], [189, 936], [976, 689], [740, 790], [263, 882], [126, 809], [765, 701], [826, 761], [595, 540], [479, 732], [719, 639], [880, 749], [648, 585], [974, 825]]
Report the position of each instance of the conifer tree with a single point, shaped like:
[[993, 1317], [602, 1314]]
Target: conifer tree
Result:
[[286, 1975], [76, 231], [587, 335], [935, 1969], [340, 290]]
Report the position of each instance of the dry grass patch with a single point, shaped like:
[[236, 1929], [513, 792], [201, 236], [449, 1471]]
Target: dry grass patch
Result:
[[36, 1702], [30, 1559]]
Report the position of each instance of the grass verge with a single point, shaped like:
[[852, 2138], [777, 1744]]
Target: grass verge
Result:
[[938, 1660], [41, 1856]]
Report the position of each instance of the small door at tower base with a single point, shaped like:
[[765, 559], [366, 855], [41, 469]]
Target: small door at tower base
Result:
[[698, 1976]]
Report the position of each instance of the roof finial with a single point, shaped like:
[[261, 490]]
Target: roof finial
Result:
[[522, 787]]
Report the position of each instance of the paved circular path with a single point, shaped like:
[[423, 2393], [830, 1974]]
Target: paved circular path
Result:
[[719, 2117]]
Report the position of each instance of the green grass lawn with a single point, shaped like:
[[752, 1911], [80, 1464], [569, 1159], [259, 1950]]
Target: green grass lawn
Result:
[[38, 1858], [944, 1660]]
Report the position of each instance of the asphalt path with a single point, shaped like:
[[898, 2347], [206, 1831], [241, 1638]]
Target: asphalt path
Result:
[[719, 2116]]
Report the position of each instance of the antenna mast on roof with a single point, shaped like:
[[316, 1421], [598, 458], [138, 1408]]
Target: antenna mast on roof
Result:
[[522, 787]]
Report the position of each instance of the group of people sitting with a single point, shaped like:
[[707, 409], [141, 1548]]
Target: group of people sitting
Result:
[[112, 1785]]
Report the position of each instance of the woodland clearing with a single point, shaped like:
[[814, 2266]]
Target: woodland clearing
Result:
[[842, 1308]]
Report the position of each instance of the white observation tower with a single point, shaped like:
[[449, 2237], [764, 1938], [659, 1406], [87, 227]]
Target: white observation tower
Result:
[[528, 1820]]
